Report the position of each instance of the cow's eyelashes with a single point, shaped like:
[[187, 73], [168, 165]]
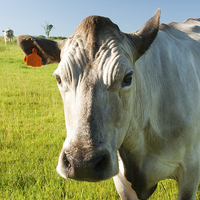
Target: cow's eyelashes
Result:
[[58, 79], [127, 79]]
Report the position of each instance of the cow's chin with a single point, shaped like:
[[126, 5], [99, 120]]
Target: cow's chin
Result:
[[64, 174], [99, 168]]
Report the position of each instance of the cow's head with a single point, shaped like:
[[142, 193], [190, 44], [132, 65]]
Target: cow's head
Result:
[[96, 80]]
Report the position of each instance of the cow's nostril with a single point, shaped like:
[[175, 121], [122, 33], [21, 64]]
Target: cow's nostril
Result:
[[101, 164], [66, 161]]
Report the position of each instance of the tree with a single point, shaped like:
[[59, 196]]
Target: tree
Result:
[[47, 28]]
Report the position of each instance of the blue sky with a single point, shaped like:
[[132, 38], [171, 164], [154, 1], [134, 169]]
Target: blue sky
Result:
[[27, 17]]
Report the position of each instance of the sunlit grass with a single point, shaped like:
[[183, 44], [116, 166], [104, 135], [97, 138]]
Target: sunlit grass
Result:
[[32, 131]]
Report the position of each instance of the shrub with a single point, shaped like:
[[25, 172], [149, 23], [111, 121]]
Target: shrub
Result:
[[42, 36]]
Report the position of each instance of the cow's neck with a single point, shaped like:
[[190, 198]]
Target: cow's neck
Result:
[[135, 175]]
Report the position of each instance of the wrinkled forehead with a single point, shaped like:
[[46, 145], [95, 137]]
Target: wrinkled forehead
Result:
[[110, 62], [97, 45], [93, 32]]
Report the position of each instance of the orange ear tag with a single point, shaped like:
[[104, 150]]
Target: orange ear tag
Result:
[[33, 59]]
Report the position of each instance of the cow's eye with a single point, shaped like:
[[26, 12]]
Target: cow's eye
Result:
[[127, 79], [58, 79]]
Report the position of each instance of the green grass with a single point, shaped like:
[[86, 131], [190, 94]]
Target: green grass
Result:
[[32, 131]]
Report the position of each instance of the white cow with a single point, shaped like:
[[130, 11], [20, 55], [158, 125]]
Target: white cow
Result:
[[8, 35], [131, 103]]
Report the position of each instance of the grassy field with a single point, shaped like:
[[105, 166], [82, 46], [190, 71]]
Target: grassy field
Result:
[[32, 131]]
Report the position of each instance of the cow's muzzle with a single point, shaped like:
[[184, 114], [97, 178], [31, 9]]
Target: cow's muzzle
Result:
[[85, 167]]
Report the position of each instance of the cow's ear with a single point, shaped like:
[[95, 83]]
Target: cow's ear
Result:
[[143, 38], [48, 50]]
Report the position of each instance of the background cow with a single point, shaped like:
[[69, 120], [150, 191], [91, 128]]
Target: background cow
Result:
[[131, 103], [8, 35]]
